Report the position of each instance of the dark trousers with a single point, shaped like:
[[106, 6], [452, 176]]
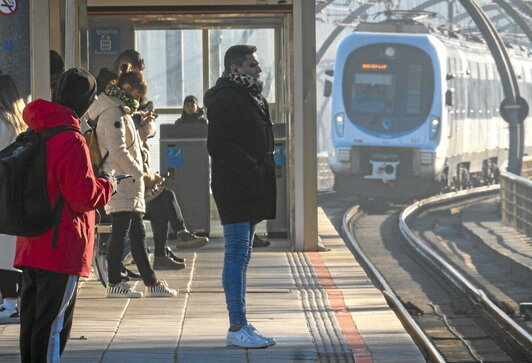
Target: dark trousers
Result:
[[124, 222], [160, 211], [10, 283], [46, 312]]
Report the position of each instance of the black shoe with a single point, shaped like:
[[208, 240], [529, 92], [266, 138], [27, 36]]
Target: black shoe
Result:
[[172, 255], [259, 242], [132, 275], [166, 263], [186, 239]]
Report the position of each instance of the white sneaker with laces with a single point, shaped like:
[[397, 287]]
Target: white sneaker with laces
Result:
[[161, 289], [122, 289], [270, 340], [245, 338], [8, 316]]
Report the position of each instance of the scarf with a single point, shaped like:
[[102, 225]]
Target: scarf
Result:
[[117, 92], [254, 85]]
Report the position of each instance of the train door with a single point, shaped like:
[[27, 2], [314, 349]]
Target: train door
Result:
[[183, 49]]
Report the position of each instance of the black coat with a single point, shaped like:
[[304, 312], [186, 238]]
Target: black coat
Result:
[[240, 143]]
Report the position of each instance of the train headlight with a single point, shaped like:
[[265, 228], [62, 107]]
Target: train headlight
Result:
[[339, 120], [434, 128], [389, 52]]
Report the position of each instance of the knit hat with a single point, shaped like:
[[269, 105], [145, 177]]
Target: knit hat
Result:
[[75, 89]]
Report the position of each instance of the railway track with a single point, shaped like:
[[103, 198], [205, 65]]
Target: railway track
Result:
[[450, 317]]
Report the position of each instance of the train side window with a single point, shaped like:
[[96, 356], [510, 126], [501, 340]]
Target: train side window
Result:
[[471, 97]]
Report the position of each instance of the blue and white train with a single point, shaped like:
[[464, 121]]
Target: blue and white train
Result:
[[414, 111]]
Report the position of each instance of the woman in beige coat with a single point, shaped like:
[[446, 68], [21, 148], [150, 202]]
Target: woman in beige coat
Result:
[[11, 124], [118, 137]]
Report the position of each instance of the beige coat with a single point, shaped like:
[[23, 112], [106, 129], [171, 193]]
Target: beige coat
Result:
[[117, 134]]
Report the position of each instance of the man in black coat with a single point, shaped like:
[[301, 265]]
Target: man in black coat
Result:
[[240, 143]]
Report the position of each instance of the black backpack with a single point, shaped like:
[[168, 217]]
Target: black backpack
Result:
[[25, 208]]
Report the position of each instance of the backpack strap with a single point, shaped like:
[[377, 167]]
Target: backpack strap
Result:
[[58, 209], [100, 165]]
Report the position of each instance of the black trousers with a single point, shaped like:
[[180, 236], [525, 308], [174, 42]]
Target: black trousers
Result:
[[46, 312], [10, 282], [160, 211], [124, 222]]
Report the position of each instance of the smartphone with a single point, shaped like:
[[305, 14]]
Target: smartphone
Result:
[[122, 176]]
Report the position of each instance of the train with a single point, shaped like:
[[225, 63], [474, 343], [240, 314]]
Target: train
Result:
[[415, 110]]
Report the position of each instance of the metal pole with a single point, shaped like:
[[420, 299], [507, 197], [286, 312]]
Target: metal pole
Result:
[[303, 141], [514, 108], [83, 24], [71, 34], [40, 49]]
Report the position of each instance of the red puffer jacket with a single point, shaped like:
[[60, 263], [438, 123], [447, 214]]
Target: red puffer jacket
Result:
[[69, 173]]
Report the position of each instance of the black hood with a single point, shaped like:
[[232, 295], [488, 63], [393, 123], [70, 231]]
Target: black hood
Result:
[[221, 83], [76, 90]]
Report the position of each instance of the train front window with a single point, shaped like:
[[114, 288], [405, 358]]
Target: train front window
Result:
[[372, 92], [388, 92], [413, 97]]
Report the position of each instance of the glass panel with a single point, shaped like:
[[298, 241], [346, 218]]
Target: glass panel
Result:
[[372, 93], [264, 39], [413, 99], [173, 61], [385, 94]]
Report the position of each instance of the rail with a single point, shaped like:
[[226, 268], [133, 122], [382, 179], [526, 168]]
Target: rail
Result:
[[516, 198], [421, 339], [452, 274]]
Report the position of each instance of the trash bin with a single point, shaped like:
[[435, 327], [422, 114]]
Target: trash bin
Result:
[[278, 227], [185, 164]]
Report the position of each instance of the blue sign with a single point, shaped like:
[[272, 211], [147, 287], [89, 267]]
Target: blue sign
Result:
[[174, 156], [9, 45], [105, 41], [280, 156]]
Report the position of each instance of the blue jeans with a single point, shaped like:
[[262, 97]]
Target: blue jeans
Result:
[[238, 247]]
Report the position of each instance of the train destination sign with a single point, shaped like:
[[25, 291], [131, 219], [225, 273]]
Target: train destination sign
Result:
[[373, 66]]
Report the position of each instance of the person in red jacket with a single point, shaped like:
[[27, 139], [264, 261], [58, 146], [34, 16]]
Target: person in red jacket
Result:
[[50, 275]]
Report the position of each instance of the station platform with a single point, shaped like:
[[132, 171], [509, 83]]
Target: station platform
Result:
[[319, 306]]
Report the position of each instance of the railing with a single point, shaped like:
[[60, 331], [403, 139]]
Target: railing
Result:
[[516, 198]]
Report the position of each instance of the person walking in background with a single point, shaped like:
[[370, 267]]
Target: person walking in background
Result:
[[11, 124], [118, 136], [50, 272], [240, 143], [192, 113]]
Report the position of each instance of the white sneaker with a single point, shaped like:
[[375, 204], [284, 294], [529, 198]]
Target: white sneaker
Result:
[[122, 289], [8, 316], [270, 340], [161, 290], [245, 338]]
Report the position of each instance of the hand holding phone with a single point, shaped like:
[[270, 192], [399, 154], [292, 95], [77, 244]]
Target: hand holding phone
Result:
[[122, 176]]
